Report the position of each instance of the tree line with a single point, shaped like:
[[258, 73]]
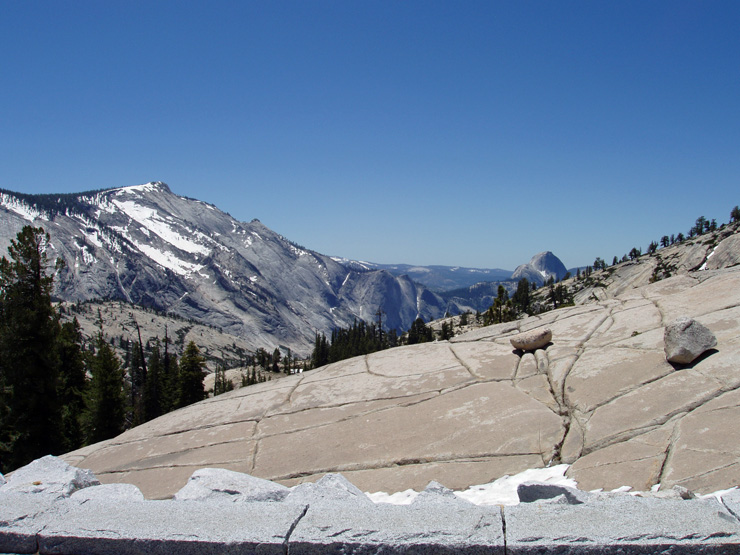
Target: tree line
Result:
[[701, 226], [56, 393]]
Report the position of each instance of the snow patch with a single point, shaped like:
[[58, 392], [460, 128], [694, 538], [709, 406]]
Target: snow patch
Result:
[[92, 236], [704, 266], [150, 219], [25, 211], [145, 188], [168, 260], [498, 492]]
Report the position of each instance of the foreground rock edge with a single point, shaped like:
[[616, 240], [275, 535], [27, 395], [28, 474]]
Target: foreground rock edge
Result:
[[246, 514]]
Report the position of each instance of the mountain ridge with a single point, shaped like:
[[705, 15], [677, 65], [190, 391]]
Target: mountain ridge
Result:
[[148, 246]]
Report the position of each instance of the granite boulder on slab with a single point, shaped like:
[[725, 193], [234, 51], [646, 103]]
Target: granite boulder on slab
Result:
[[531, 340], [686, 340]]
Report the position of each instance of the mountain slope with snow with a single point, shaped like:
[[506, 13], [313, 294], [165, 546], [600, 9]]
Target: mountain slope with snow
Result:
[[145, 245]]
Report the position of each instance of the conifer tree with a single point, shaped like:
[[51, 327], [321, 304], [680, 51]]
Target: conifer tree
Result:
[[221, 384], [106, 402], [29, 364], [192, 372], [276, 360], [735, 215], [72, 384], [153, 386]]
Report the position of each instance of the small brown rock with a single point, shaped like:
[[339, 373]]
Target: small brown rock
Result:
[[531, 340]]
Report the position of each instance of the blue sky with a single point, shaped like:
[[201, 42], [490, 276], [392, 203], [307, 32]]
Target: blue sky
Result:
[[454, 133]]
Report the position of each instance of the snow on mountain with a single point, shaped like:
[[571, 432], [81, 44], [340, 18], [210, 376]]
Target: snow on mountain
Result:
[[145, 245]]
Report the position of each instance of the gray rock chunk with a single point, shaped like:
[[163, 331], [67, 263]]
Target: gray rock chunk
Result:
[[22, 517], [227, 485], [530, 492], [676, 492], [731, 500], [113, 492], [166, 527], [686, 340], [330, 488], [51, 476], [531, 340], [435, 494], [384, 528], [622, 525]]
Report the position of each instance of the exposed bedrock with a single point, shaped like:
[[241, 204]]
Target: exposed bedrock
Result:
[[600, 396]]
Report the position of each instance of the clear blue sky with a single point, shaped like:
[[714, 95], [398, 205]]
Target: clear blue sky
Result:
[[431, 132]]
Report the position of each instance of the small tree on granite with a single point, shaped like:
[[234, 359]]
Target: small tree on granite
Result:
[[735, 215]]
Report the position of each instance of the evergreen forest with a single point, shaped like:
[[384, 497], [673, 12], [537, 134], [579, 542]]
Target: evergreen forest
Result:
[[57, 393]]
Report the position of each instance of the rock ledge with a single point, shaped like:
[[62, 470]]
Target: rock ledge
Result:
[[330, 517]]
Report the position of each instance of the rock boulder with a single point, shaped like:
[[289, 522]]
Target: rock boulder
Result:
[[531, 340], [686, 340], [50, 475]]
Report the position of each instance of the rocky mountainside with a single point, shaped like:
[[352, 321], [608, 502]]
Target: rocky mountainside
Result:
[[540, 268], [148, 246], [709, 251]]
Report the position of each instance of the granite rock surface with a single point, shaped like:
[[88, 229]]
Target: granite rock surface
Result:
[[330, 517], [601, 397]]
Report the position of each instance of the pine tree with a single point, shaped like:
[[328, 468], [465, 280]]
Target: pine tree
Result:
[[221, 384], [735, 215], [72, 384], [192, 372], [106, 403], [170, 379], [521, 295], [153, 386], [276, 360], [137, 374], [29, 363]]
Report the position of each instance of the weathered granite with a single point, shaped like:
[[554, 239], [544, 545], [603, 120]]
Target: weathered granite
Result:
[[109, 492], [686, 340], [227, 485], [51, 476], [22, 517], [600, 397], [166, 527], [531, 340], [428, 529], [622, 524], [331, 488], [330, 518]]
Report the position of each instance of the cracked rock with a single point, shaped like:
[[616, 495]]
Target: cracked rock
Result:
[[50, 475], [686, 340], [531, 340], [227, 485], [332, 487]]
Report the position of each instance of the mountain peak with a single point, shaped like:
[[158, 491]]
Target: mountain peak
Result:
[[152, 186], [540, 268]]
